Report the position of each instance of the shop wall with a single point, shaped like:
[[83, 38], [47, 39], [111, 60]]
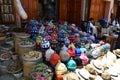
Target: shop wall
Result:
[[31, 8], [70, 10], [97, 9]]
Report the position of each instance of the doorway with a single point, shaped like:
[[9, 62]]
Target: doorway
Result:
[[48, 9]]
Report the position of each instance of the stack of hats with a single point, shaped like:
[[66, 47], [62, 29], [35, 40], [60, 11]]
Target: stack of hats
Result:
[[98, 66], [117, 52], [83, 74], [71, 76]]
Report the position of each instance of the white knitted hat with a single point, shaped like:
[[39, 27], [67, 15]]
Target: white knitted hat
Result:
[[48, 53]]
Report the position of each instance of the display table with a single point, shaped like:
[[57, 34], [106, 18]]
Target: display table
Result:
[[117, 46], [112, 40]]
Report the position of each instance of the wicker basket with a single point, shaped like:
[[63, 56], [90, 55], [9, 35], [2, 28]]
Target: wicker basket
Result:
[[27, 68], [28, 63], [2, 38], [17, 39], [25, 48]]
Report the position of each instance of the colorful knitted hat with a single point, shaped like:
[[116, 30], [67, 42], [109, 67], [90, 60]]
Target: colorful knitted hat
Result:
[[48, 53], [71, 65], [71, 52], [45, 43], [84, 58], [84, 50], [78, 61], [64, 48], [60, 68], [64, 55], [54, 59], [77, 51]]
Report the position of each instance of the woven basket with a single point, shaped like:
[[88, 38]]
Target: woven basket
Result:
[[17, 39], [27, 68], [25, 48], [2, 38], [28, 63]]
